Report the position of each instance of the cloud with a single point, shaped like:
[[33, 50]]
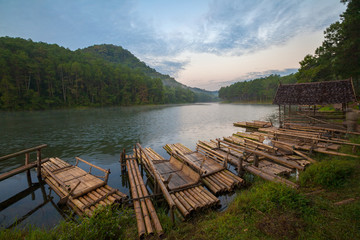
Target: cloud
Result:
[[240, 27]]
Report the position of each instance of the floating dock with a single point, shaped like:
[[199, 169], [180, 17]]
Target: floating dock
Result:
[[181, 183], [80, 190], [214, 175]]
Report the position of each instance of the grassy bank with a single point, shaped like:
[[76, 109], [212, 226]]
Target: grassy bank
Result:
[[264, 211]]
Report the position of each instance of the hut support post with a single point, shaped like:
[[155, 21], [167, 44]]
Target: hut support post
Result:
[[280, 122]]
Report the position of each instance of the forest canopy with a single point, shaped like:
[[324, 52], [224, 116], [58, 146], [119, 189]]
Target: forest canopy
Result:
[[257, 90], [41, 76]]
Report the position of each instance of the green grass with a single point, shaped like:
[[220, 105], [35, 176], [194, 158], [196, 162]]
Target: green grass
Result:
[[332, 173], [107, 223]]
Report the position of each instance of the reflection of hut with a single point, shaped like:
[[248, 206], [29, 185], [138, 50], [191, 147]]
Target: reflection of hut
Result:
[[311, 95]]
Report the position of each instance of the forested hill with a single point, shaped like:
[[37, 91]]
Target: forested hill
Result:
[[40, 76], [257, 90]]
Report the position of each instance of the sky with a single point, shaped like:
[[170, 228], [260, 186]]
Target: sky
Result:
[[201, 43]]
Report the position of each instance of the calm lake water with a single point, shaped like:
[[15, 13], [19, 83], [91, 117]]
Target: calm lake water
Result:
[[98, 136]]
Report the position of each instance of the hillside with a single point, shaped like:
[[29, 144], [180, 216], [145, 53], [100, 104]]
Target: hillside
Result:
[[258, 90], [42, 76], [118, 55]]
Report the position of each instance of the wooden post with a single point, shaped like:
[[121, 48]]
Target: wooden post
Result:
[[39, 163], [314, 110], [27, 158], [256, 161], [28, 173], [280, 122], [284, 114], [240, 167]]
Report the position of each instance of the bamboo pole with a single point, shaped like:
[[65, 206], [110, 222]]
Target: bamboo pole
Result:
[[180, 206], [144, 209], [184, 203], [149, 204], [137, 208], [161, 184]]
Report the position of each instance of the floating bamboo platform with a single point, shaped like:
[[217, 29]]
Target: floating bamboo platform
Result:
[[181, 182], [146, 217], [80, 190], [307, 141], [253, 124], [246, 159], [214, 175]]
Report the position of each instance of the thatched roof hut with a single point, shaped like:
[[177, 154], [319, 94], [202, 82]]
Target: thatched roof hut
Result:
[[315, 93]]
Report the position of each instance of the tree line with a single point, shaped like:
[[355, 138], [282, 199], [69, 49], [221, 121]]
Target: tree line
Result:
[[337, 58], [257, 90], [41, 76]]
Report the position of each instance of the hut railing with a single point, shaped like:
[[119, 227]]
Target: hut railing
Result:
[[27, 165]]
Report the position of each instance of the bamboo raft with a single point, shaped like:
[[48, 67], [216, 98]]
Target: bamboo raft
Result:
[[80, 190], [181, 183], [253, 124], [307, 141], [146, 217], [246, 159], [214, 175]]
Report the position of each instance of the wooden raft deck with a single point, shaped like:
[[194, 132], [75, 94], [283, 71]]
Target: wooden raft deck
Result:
[[146, 217], [180, 180], [213, 174], [82, 191], [253, 124]]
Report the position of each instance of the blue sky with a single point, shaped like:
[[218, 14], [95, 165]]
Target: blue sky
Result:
[[202, 43]]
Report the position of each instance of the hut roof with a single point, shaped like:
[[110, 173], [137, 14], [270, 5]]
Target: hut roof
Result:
[[329, 92]]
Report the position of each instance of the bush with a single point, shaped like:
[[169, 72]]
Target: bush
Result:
[[268, 196], [329, 174]]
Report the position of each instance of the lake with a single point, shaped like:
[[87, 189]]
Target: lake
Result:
[[98, 135]]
